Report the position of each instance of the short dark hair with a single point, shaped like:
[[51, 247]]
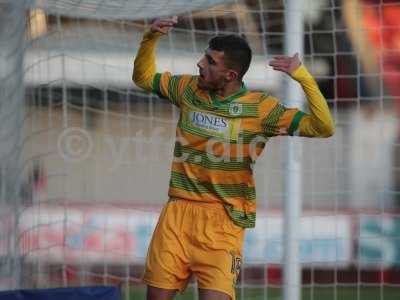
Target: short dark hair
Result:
[[237, 52]]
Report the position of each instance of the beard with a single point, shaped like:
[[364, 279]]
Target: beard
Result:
[[202, 85], [210, 86]]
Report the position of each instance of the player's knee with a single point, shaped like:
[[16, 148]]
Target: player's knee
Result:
[[205, 294], [154, 293]]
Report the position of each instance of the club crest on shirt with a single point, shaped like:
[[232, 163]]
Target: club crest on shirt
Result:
[[235, 109]]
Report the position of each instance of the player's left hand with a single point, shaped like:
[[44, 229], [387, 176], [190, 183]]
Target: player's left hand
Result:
[[285, 64]]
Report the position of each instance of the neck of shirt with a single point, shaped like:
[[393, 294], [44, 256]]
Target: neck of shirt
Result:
[[219, 100]]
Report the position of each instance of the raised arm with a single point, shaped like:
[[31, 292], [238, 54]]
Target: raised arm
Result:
[[319, 122], [144, 68]]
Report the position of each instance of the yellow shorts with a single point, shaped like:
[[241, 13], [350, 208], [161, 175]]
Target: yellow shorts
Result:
[[197, 238]]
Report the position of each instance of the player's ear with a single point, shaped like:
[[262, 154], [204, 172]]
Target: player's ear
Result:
[[231, 75]]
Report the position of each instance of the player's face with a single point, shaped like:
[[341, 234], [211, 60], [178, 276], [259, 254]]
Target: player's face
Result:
[[213, 73]]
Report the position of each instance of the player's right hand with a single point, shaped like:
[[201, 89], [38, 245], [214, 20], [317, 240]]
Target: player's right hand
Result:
[[163, 25]]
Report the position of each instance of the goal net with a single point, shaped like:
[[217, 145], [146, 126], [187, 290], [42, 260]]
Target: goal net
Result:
[[85, 154]]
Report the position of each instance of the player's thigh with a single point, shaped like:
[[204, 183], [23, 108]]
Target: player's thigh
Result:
[[167, 263], [205, 294], [154, 293], [218, 271], [217, 254]]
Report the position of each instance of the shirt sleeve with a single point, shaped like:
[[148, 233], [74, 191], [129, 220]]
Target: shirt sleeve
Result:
[[145, 76], [319, 122], [171, 87], [280, 120], [277, 119], [144, 68]]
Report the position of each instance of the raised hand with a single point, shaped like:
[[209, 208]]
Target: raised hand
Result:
[[285, 64], [163, 25]]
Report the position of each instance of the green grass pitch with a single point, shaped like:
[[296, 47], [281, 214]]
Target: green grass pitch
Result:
[[334, 292]]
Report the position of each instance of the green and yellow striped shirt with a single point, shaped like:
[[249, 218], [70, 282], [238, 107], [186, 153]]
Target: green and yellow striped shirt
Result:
[[218, 140]]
